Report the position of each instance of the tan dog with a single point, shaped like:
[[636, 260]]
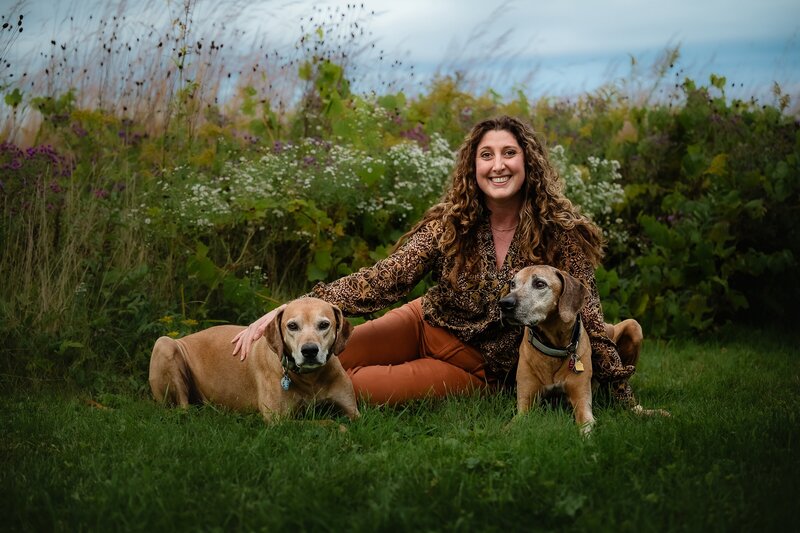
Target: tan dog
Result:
[[555, 354], [293, 365]]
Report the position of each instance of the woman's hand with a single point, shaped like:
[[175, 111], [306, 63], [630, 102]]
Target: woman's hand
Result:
[[245, 339]]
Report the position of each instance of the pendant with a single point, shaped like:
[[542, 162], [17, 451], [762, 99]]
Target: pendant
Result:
[[575, 364], [285, 381]]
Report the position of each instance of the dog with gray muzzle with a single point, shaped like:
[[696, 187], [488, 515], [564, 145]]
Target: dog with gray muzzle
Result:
[[295, 364], [555, 354]]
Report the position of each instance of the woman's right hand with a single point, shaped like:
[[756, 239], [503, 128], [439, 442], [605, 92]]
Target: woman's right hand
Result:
[[245, 339]]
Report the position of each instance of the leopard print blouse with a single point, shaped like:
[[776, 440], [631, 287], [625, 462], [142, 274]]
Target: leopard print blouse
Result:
[[469, 309]]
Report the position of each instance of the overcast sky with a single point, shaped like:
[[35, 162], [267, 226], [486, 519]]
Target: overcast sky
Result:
[[559, 47]]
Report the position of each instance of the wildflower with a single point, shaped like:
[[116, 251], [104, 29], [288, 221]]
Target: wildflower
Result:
[[78, 130]]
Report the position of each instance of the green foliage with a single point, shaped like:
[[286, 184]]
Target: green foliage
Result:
[[113, 227], [595, 188], [711, 186], [333, 203], [14, 98]]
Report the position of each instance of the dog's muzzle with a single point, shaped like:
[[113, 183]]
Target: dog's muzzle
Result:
[[310, 353], [508, 307]]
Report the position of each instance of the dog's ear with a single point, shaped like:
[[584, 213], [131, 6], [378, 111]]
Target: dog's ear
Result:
[[274, 335], [343, 330], [573, 296]]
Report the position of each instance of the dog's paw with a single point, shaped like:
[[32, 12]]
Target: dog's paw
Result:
[[586, 429], [641, 411], [514, 422]]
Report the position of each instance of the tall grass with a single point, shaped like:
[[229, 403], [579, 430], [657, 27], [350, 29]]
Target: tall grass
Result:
[[132, 87], [724, 461], [156, 62]]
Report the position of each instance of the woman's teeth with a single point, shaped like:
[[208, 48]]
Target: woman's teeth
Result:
[[501, 179]]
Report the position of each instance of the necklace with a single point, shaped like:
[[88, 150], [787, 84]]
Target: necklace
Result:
[[504, 229]]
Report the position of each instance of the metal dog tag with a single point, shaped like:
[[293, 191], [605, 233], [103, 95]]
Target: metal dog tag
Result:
[[575, 364], [285, 382]]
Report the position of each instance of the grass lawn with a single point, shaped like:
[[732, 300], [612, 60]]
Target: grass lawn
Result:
[[726, 460]]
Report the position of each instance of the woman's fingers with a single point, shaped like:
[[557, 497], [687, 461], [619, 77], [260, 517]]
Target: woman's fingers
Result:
[[244, 340], [242, 344]]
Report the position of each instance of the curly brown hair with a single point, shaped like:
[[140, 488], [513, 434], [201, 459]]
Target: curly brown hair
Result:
[[545, 212]]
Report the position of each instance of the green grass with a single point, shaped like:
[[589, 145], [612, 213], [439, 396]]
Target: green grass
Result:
[[726, 460]]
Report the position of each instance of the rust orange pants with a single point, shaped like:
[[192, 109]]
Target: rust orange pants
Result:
[[400, 357]]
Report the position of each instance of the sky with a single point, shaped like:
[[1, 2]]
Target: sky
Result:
[[554, 48], [577, 45]]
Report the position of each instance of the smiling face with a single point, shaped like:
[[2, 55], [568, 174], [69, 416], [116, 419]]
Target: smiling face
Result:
[[500, 167]]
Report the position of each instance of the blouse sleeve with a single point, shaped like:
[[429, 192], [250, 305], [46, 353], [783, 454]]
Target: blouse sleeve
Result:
[[607, 363], [386, 282]]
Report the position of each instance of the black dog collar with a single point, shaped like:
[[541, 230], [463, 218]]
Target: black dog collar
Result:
[[560, 353]]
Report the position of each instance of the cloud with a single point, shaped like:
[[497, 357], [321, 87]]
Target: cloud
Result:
[[429, 29]]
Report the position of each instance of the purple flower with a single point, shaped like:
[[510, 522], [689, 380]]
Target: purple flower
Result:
[[417, 134], [78, 130]]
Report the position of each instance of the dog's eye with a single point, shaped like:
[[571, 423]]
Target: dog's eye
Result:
[[512, 285], [539, 284], [324, 325], [292, 326]]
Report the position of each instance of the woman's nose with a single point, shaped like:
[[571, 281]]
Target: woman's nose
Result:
[[498, 164]]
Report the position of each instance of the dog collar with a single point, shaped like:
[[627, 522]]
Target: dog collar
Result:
[[560, 353], [289, 365]]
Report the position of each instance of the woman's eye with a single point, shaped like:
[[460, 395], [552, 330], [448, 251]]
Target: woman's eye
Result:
[[511, 153], [486, 155]]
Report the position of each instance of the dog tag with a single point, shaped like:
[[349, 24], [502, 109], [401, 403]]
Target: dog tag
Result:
[[285, 382], [575, 364]]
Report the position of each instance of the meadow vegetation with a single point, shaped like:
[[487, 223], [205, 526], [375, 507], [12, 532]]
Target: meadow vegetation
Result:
[[156, 179], [73, 460], [151, 184]]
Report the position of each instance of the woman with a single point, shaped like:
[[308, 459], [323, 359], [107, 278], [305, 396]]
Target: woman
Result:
[[504, 210]]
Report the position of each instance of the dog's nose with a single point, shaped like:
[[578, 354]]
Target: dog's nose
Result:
[[508, 303], [309, 350]]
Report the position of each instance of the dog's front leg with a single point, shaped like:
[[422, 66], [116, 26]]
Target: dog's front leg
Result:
[[529, 389], [525, 399], [580, 396], [347, 406], [342, 395], [267, 414], [529, 386], [274, 406]]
